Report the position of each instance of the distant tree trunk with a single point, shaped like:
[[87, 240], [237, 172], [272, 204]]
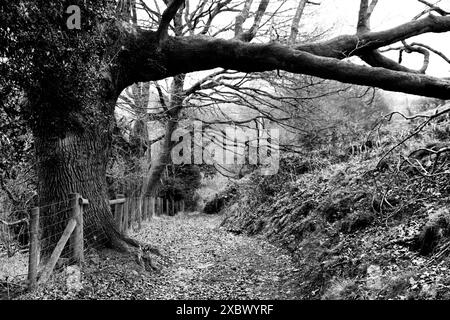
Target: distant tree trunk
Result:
[[152, 178], [296, 21], [139, 137]]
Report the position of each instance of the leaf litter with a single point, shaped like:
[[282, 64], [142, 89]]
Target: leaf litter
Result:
[[202, 261]]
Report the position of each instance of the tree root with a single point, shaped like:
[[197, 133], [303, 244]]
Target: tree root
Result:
[[144, 246], [142, 253]]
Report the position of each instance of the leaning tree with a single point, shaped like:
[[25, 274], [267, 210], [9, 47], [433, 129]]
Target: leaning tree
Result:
[[72, 78]]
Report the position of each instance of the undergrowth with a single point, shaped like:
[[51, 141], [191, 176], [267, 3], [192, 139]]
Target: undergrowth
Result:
[[343, 216]]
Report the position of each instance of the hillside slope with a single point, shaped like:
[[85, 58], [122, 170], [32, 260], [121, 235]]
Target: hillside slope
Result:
[[357, 227]]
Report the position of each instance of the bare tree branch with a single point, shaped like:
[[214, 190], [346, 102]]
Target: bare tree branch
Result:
[[188, 54], [296, 21], [240, 19], [251, 33], [7, 191], [167, 17], [350, 45], [435, 8], [439, 53], [365, 12]]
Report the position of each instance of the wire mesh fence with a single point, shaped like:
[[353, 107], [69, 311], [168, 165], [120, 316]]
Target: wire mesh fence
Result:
[[129, 213], [19, 245], [35, 241], [14, 238]]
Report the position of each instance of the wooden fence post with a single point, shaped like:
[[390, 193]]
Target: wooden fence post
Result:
[[33, 261], [130, 212], [77, 204], [182, 205], [133, 212], [150, 209], [47, 271], [140, 213], [152, 206], [125, 215], [147, 208], [118, 211], [144, 209], [132, 209]]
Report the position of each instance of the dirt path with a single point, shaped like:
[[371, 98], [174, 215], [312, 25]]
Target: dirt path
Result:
[[206, 262]]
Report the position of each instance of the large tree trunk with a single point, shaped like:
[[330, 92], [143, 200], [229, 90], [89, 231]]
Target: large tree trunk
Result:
[[75, 164], [75, 161]]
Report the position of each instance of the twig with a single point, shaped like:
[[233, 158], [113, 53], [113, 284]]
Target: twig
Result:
[[15, 222]]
